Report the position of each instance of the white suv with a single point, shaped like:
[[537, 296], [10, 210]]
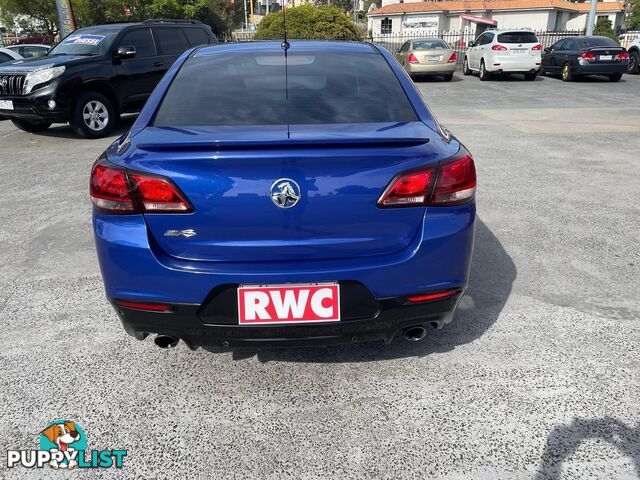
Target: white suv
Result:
[[634, 56], [504, 51]]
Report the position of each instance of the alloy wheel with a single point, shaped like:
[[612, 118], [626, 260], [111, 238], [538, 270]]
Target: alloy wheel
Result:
[[95, 115]]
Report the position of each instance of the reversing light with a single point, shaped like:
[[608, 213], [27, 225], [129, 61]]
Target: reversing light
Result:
[[428, 297]]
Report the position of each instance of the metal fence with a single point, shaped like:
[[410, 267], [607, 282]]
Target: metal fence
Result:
[[459, 40]]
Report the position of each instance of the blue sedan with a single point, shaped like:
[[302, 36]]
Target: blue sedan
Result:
[[284, 194]]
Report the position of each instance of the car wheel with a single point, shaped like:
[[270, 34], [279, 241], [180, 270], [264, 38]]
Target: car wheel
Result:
[[93, 115], [634, 65], [29, 126], [530, 76], [615, 77], [448, 77], [566, 73], [465, 67], [484, 75]]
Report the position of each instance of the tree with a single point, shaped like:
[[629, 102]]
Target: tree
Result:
[[633, 20], [344, 5], [30, 15], [604, 28], [307, 21]]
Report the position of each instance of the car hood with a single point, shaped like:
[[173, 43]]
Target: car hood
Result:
[[31, 64]]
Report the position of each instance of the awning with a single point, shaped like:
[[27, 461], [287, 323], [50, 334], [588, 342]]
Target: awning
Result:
[[475, 19]]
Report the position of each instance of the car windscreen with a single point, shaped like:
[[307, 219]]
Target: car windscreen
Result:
[[86, 41], [590, 42], [517, 37], [252, 89], [429, 44]]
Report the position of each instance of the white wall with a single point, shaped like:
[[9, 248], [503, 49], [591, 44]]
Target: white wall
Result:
[[527, 19]]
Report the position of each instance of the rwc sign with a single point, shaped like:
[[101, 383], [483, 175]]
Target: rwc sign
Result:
[[66, 20]]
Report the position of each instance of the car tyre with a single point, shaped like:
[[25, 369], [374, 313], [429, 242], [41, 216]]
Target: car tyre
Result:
[[615, 77], [566, 73], [93, 115], [530, 76], [466, 71], [448, 77], [634, 62], [29, 126], [484, 75]]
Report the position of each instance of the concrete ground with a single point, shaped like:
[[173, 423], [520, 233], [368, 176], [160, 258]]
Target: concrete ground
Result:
[[538, 376]]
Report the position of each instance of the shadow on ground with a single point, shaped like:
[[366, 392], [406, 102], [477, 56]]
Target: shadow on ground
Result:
[[60, 130], [492, 275], [564, 440]]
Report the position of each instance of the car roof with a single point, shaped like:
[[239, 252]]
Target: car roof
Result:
[[295, 46]]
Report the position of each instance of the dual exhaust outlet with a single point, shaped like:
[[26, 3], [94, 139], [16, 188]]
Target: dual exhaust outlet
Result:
[[413, 334]]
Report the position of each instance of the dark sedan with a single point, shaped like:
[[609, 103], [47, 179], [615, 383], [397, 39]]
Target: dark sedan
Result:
[[575, 56]]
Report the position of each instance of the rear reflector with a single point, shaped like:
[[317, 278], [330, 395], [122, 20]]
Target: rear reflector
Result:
[[153, 307], [453, 58], [113, 190], [427, 297], [499, 48], [451, 183], [412, 58]]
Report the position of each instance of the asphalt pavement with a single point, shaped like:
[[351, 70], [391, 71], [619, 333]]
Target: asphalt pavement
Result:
[[537, 377]]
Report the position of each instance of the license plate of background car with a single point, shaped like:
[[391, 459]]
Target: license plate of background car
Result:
[[6, 105], [606, 58], [433, 58]]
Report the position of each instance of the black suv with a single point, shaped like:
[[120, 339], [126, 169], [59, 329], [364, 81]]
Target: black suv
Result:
[[95, 74]]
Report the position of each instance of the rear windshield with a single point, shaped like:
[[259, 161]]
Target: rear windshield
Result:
[[590, 42], [429, 44], [249, 89], [517, 37]]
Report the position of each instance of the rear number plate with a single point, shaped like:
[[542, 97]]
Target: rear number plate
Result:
[[606, 58], [433, 58], [278, 304], [6, 105]]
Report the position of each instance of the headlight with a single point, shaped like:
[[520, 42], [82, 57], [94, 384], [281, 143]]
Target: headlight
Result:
[[40, 76]]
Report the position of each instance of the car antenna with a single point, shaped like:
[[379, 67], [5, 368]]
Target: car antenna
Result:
[[285, 44]]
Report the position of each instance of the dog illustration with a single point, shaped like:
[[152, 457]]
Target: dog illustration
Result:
[[62, 434]]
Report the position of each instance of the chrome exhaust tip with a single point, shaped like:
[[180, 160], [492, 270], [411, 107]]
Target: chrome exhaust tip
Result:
[[415, 334], [166, 341]]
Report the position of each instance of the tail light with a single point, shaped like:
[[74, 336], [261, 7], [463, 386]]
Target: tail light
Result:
[[588, 56], [499, 48], [412, 58], [453, 58], [622, 56], [113, 190], [536, 47], [451, 183]]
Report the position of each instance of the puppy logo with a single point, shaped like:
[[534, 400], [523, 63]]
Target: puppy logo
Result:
[[64, 437]]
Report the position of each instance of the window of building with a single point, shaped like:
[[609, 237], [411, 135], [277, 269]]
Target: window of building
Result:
[[386, 26]]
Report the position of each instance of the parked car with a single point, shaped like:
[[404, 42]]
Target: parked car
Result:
[[7, 55], [95, 74], [576, 56], [253, 205], [427, 56], [504, 51], [634, 57], [30, 50]]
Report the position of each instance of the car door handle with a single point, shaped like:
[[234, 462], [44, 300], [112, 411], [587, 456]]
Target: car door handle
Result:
[[157, 64]]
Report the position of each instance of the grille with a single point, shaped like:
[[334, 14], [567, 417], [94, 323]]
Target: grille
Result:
[[11, 84]]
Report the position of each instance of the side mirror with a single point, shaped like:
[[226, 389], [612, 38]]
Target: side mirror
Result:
[[548, 50], [472, 44], [126, 52]]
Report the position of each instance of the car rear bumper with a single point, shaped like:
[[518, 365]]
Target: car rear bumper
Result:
[[601, 68], [431, 69], [135, 269], [514, 65], [189, 323]]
